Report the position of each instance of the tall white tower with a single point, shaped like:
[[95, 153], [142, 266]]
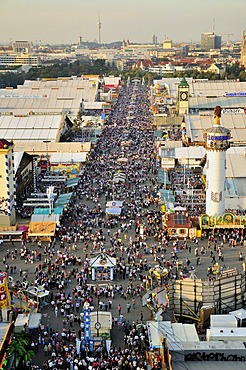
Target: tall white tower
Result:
[[7, 184], [217, 142]]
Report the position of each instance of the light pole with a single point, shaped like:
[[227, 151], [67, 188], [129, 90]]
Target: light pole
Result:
[[34, 165], [47, 156]]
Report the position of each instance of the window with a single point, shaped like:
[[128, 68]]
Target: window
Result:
[[215, 197]]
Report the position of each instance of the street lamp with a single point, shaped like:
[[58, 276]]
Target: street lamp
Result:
[[47, 155], [34, 165]]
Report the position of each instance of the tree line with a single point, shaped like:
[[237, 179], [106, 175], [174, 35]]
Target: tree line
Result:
[[100, 67]]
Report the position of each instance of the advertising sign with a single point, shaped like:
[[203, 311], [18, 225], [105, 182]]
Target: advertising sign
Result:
[[4, 292]]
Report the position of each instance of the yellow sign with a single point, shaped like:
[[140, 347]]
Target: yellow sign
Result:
[[4, 291]]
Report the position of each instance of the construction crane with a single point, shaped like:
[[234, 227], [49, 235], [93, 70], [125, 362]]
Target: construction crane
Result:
[[228, 37]]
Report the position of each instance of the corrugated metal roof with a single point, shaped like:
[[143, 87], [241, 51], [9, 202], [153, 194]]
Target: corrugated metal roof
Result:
[[203, 88], [31, 127], [210, 103], [236, 163], [53, 96], [218, 88], [38, 147], [195, 125]]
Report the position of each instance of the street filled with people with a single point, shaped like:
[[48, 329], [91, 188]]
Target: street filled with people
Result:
[[132, 234]]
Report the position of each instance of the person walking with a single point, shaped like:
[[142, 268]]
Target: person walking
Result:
[[141, 316], [56, 311], [119, 309]]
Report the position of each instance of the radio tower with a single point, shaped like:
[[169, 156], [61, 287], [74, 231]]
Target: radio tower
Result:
[[99, 24]]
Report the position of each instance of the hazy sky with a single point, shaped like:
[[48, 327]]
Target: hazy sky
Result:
[[55, 21]]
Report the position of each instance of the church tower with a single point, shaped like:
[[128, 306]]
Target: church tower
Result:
[[7, 184], [217, 142], [183, 97]]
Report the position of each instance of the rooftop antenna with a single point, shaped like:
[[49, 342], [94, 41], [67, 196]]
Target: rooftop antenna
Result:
[[99, 24], [214, 25]]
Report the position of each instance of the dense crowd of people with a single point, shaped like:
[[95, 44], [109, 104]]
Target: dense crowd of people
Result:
[[85, 222], [66, 271]]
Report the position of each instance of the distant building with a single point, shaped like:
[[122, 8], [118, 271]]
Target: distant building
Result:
[[154, 40], [17, 60], [21, 47], [218, 69], [143, 64], [210, 41], [243, 50], [167, 44]]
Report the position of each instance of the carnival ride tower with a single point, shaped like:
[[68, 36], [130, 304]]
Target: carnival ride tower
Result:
[[217, 142]]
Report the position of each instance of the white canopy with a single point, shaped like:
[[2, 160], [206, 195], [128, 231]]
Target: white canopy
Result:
[[34, 320], [239, 314], [103, 260]]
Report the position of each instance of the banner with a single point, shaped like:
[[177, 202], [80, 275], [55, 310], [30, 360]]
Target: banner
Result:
[[78, 346], [4, 291], [108, 345]]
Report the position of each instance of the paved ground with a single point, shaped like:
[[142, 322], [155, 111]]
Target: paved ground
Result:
[[231, 259]]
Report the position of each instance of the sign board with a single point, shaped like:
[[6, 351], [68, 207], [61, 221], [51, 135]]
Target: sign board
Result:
[[233, 111], [236, 93]]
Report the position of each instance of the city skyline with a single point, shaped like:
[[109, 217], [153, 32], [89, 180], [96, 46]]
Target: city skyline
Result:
[[64, 21]]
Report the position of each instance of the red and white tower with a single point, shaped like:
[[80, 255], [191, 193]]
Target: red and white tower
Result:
[[217, 142]]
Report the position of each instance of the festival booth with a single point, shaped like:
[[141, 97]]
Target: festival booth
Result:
[[102, 267], [114, 208], [27, 321], [44, 230], [226, 221], [39, 294], [44, 215]]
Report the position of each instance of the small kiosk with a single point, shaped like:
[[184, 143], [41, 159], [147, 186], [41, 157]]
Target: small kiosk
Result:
[[102, 267]]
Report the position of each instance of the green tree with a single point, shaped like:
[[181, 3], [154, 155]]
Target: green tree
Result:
[[19, 350]]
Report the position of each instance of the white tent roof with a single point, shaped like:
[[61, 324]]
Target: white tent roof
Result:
[[31, 127], [21, 320], [236, 162], [103, 260], [176, 333], [45, 218], [67, 157], [40, 147], [195, 126], [94, 105], [239, 314], [190, 152], [17, 159], [34, 320]]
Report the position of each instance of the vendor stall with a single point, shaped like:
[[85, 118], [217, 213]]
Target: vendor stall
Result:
[[42, 229], [103, 267]]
